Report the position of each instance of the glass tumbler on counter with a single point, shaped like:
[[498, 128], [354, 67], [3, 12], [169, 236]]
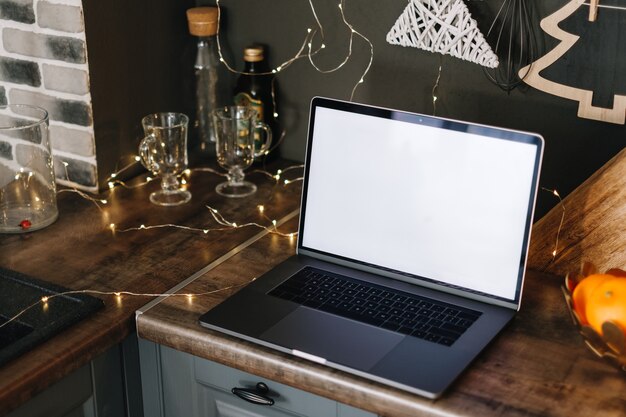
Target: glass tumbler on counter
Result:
[[27, 184]]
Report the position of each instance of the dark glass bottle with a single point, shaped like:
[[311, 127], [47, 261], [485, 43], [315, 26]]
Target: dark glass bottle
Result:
[[254, 89]]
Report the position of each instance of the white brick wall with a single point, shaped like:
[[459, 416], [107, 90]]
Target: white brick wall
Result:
[[43, 62]]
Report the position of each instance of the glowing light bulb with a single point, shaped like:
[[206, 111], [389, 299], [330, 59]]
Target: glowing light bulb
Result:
[[143, 226], [274, 223], [148, 179], [323, 46], [112, 226], [554, 252], [113, 175], [234, 224], [183, 181], [103, 201], [261, 208], [275, 114], [434, 98], [111, 185], [137, 158], [187, 171], [205, 231], [44, 300], [117, 294]]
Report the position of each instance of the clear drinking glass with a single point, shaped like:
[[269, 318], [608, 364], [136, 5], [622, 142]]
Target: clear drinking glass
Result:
[[27, 185], [164, 152], [235, 131]]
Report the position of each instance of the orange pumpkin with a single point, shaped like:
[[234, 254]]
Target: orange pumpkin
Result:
[[607, 302], [584, 289]]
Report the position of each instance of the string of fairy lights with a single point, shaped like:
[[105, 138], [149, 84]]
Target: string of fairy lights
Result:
[[277, 176], [309, 49], [46, 300], [558, 230], [224, 224], [435, 88], [219, 219]]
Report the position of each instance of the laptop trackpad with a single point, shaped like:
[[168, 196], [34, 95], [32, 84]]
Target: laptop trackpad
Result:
[[333, 338]]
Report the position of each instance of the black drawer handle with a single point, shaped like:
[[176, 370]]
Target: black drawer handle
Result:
[[254, 395]]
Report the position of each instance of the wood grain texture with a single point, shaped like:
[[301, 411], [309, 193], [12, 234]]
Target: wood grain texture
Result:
[[79, 251], [537, 367], [594, 226]]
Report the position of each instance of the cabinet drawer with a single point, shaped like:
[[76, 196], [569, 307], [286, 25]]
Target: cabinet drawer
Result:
[[288, 399]]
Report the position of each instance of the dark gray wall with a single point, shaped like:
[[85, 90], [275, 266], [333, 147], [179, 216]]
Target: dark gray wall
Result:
[[140, 57], [136, 55], [403, 78]]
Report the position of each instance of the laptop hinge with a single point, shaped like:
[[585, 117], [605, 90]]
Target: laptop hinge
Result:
[[415, 281]]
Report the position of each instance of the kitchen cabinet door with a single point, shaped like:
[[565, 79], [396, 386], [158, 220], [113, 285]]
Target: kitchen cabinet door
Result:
[[176, 383]]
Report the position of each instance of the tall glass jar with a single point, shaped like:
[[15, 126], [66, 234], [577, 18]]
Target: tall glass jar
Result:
[[27, 183], [212, 78]]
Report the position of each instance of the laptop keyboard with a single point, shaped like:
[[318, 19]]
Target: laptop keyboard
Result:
[[390, 309]]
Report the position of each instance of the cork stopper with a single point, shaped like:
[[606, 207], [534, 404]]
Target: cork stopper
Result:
[[202, 21], [253, 53]]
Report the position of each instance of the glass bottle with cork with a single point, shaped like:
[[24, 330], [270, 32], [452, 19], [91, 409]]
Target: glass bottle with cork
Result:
[[254, 89], [211, 77]]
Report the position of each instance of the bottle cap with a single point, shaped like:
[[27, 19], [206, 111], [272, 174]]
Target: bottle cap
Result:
[[253, 53], [202, 21]]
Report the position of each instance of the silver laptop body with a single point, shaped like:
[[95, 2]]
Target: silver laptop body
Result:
[[424, 218]]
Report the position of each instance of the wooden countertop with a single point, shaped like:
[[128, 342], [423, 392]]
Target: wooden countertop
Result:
[[537, 367], [79, 251]]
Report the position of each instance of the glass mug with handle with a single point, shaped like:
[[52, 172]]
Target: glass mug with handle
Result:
[[163, 151], [235, 131]]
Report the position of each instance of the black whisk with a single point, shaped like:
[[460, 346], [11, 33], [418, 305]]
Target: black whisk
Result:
[[515, 42]]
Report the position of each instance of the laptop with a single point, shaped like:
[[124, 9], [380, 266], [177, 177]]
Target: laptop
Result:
[[411, 252]]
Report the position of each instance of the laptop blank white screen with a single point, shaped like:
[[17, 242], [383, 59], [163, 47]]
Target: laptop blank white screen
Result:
[[443, 204]]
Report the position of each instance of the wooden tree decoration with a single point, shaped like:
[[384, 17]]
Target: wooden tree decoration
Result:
[[590, 68], [444, 26]]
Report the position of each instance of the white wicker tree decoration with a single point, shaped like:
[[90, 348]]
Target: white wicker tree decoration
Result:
[[444, 26]]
